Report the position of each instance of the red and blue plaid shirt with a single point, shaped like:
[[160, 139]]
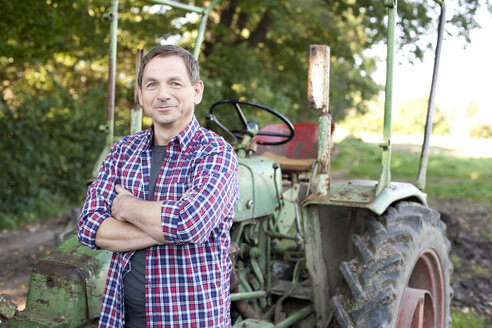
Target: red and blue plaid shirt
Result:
[[186, 280]]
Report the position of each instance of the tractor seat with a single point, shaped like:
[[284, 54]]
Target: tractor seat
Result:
[[291, 164], [297, 155]]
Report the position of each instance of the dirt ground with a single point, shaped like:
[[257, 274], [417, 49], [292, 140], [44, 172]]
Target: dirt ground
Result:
[[469, 227], [469, 230]]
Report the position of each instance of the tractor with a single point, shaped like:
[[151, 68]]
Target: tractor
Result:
[[307, 252]]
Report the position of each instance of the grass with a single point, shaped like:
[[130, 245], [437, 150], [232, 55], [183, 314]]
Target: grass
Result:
[[467, 320], [447, 176], [455, 259], [479, 270]]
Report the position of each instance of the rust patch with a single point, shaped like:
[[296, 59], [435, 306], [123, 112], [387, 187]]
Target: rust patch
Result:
[[318, 80], [7, 307], [58, 270], [317, 198], [45, 302]]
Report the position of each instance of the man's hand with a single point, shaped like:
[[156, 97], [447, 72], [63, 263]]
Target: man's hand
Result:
[[135, 224], [122, 203], [144, 214], [185, 194]]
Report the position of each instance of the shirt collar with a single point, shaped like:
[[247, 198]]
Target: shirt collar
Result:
[[183, 138], [148, 137]]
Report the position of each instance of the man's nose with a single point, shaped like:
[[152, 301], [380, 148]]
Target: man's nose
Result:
[[163, 94]]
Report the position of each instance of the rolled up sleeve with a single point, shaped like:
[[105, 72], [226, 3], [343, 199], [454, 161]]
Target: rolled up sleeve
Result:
[[97, 205], [212, 198]]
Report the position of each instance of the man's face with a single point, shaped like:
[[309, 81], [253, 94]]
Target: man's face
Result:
[[167, 95]]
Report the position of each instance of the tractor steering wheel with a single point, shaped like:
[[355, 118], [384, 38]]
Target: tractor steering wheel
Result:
[[251, 128]]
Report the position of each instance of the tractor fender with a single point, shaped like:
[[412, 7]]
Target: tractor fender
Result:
[[66, 287], [362, 194], [329, 222]]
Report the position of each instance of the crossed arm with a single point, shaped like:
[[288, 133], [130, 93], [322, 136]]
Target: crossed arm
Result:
[[127, 223], [134, 224], [120, 236]]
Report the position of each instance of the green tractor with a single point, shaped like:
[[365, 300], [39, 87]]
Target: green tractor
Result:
[[306, 252]]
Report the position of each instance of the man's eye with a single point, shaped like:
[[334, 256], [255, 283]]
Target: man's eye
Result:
[[151, 85], [175, 84]]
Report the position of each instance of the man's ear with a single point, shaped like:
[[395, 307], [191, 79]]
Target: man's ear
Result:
[[140, 101], [198, 87]]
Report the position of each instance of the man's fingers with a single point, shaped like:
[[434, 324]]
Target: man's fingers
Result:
[[187, 192], [121, 191]]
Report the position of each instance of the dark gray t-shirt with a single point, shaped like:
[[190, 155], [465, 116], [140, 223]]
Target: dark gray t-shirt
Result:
[[134, 281]]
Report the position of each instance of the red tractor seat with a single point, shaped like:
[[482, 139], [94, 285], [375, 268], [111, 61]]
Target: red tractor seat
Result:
[[299, 153]]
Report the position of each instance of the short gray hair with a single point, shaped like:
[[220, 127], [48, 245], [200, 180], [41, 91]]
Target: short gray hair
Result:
[[171, 50]]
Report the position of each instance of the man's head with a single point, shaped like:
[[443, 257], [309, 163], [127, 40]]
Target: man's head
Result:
[[171, 50], [169, 87]]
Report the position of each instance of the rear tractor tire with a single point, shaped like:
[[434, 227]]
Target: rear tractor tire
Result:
[[400, 276]]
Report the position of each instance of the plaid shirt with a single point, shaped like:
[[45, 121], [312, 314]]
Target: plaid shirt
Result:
[[186, 280]]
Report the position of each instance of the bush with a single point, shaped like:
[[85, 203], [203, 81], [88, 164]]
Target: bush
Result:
[[49, 145], [481, 130], [411, 115]]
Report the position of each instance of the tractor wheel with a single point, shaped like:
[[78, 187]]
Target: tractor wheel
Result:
[[400, 274]]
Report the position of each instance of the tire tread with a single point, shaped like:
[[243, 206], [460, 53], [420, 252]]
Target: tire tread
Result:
[[373, 278]]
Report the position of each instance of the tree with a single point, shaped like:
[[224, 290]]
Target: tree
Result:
[[410, 118], [254, 49], [54, 55]]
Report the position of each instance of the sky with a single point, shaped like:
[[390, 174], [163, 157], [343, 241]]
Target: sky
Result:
[[465, 75]]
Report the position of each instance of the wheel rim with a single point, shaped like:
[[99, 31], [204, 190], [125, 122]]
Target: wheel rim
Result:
[[423, 298]]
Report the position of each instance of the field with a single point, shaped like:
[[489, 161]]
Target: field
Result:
[[459, 186]]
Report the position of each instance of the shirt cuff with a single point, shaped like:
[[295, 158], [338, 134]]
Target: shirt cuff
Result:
[[170, 216], [87, 231]]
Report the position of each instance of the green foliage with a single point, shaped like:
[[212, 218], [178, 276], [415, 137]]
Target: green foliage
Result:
[[53, 68], [467, 320], [269, 44], [447, 176], [481, 130], [370, 122], [410, 118], [32, 32], [46, 157]]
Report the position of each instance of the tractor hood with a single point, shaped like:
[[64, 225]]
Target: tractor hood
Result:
[[257, 180]]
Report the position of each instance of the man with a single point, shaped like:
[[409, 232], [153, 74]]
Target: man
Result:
[[163, 202]]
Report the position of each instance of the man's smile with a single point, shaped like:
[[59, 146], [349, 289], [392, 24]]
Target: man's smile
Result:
[[164, 107]]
